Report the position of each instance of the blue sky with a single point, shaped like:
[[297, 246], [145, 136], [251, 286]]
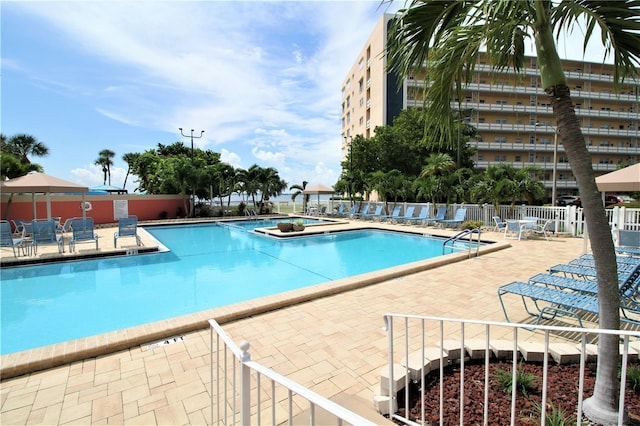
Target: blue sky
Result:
[[261, 78]]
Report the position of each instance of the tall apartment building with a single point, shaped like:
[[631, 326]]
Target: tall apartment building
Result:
[[512, 113]]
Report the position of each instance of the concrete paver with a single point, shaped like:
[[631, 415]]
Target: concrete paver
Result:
[[333, 344]]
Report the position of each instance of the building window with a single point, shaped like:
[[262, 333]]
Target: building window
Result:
[[501, 121], [361, 84], [545, 141], [361, 121], [481, 120], [518, 159], [605, 143], [501, 139], [361, 63], [604, 160], [518, 140], [480, 157], [501, 102], [501, 157], [361, 101]]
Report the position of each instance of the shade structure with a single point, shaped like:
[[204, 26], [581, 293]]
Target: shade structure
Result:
[[623, 180], [318, 189], [35, 183]]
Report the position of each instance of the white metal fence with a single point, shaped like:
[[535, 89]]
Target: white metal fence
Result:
[[412, 339], [247, 393], [568, 219]]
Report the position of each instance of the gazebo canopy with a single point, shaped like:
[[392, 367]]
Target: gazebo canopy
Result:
[[623, 180], [34, 183]]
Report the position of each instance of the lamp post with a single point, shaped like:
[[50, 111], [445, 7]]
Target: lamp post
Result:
[[555, 167], [193, 196], [350, 168]]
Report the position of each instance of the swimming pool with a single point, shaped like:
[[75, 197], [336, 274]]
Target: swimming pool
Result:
[[209, 265]]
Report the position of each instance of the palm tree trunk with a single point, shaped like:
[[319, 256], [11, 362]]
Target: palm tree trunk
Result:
[[602, 407]]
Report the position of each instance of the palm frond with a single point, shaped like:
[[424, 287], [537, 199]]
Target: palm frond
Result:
[[619, 23]]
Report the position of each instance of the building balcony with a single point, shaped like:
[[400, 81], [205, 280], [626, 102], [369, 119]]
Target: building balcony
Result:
[[531, 128], [542, 147]]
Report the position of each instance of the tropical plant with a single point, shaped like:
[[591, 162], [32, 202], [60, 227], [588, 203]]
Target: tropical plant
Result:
[[446, 36], [525, 381], [14, 158], [299, 190], [105, 160], [130, 159]]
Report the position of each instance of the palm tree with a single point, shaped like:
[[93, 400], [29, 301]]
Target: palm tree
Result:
[[23, 145], [447, 36], [299, 190], [14, 160], [129, 158], [105, 161]]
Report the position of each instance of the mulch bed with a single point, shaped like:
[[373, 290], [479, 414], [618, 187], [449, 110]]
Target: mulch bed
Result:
[[562, 392]]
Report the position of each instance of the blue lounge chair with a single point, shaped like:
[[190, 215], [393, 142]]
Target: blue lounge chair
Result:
[[376, 213], [440, 215], [422, 216], [44, 232], [7, 238], [628, 242], [580, 285], [394, 214], [558, 302], [352, 211], [339, 211], [457, 220], [82, 230], [620, 259], [408, 215], [587, 272], [364, 210], [127, 227]]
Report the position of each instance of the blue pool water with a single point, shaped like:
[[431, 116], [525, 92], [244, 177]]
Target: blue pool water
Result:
[[208, 266]]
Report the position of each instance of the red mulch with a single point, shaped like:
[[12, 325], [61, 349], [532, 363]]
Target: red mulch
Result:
[[562, 391]]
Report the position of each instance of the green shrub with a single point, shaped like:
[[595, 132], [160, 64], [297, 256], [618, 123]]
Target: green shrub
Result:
[[525, 382], [556, 416], [633, 377], [472, 224]]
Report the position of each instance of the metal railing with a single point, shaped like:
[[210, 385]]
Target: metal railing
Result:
[[244, 392], [408, 336]]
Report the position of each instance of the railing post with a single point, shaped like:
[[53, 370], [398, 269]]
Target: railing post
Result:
[[245, 385]]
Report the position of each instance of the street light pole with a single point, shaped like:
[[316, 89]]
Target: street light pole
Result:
[[193, 196], [555, 167], [350, 168]]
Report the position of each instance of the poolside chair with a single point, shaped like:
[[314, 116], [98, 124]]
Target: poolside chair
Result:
[[394, 214], [581, 285], [513, 230], [422, 216], [543, 229], [352, 211], [17, 226], [82, 231], [457, 220], [339, 212], [440, 215], [7, 238], [407, 214], [499, 223], [65, 227], [364, 210], [127, 227], [549, 303], [628, 242], [44, 232], [376, 213]]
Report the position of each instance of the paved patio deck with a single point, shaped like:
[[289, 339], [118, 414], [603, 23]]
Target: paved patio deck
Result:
[[333, 344]]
